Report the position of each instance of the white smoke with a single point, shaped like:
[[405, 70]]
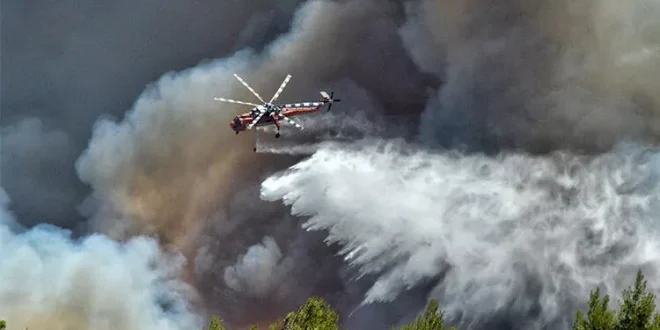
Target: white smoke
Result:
[[262, 271], [505, 236], [52, 281]]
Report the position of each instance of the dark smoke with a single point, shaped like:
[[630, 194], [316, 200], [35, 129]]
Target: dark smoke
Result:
[[47, 183], [540, 75], [65, 63], [536, 75], [176, 122]]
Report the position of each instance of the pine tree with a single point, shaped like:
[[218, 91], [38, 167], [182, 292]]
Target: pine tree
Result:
[[316, 314], [432, 319], [216, 324], [636, 311], [599, 317], [637, 307]]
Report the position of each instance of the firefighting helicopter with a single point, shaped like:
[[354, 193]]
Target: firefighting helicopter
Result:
[[268, 114]]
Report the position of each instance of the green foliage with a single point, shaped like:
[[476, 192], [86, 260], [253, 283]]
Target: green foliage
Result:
[[432, 319], [315, 314], [3, 325], [636, 311], [278, 325], [216, 324], [599, 317], [637, 307]]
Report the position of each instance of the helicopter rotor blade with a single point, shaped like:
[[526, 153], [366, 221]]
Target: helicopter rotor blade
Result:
[[279, 91], [290, 121], [235, 101], [250, 88], [256, 120]]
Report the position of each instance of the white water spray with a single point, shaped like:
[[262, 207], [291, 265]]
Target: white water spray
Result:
[[511, 234]]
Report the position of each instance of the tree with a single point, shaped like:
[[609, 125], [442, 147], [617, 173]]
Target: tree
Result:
[[432, 319], [3, 325], [216, 324], [636, 311], [637, 307], [315, 314], [599, 317], [277, 325]]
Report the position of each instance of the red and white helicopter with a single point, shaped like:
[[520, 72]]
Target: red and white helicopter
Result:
[[272, 114]]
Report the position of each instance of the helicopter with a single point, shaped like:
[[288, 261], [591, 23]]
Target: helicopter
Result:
[[270, 114]]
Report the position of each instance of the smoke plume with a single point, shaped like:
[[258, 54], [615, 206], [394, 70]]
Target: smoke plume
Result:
[[50, 280], [539, 75], [32, 156], [173, 167], [510, 239], [65, 64]]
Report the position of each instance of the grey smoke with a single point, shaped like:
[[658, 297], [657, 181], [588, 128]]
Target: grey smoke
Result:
[[33, 169], [257, 266], [173, 168], [259, 272], [539, 75], [516, 76], [66, 63]]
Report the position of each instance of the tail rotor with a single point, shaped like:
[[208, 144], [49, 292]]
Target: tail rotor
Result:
[[329, 99]]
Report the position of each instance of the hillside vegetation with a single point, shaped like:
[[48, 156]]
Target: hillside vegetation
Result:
[[635, 312]]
